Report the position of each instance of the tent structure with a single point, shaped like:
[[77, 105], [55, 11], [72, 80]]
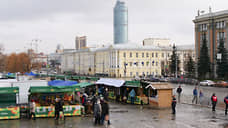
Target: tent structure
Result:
[[50, 89], [31, 74], [61, 83], [111, 82], [83, 85], [11, 75], [135, 84]]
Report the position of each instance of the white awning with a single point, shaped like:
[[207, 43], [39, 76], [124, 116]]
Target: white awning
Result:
[[111, 82]]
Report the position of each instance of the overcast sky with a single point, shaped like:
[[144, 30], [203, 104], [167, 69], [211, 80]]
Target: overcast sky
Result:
[[55, 22]]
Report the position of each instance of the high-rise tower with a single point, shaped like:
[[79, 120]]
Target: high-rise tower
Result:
[[120, 23]]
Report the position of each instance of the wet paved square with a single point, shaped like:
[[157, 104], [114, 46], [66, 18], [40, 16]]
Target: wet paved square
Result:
[[132, 116]]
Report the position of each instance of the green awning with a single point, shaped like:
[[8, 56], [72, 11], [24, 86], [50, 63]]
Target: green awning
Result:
[[132, 84], [60, 77], [12, 75], [8, 90], [94, 78], [82, 78], [82, 85], [51, 89], [75, 77]]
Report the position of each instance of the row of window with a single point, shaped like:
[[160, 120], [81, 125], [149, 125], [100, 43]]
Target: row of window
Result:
[[203, 27], [153, 63], [220, 35], [220, 24], [143, 55], [143, 74]]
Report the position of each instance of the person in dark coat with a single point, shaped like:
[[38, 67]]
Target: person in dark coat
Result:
[[226, 102], [214, 101], [94, 100], [106, 94], [61, 107], [105, 112], [97, 112], [57, 108], [179, 90], [174, 102]]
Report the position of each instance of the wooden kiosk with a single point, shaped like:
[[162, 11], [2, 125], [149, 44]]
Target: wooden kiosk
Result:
[[160, 94]]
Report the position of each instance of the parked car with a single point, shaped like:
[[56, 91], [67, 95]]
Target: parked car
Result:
[[221, 84], [207, 83]]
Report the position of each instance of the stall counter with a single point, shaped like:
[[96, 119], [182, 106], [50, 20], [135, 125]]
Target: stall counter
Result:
[[10, 113], [49, 111]]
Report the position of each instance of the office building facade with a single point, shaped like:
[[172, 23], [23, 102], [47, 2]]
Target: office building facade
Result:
[[80, 42], [211, 26], [120, 23]]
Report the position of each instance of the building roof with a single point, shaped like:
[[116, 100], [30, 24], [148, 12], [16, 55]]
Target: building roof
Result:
[[159, 86], [211, 14], [132, 46]]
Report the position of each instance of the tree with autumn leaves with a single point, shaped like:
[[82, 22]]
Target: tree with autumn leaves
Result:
[[18, 63]]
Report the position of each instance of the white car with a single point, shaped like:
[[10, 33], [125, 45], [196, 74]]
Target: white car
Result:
[[207, 83]]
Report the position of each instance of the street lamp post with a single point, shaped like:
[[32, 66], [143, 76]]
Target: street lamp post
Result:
[[176, 61]]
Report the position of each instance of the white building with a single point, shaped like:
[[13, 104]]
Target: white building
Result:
[[161, 42], [122, 60]]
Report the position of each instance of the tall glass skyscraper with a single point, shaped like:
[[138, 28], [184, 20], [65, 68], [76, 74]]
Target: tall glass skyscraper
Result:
[[120, 23]]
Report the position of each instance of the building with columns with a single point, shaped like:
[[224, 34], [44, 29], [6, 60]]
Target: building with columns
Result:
[[122, 60], [211, 26]]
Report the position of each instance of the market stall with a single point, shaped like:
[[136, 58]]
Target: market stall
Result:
[[160, 94], [113, 86], [140, 97], [45, 100], [8, 101]]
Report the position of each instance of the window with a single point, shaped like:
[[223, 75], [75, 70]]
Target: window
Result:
[[137, 54], [147, 54], [130, 63], [163, 55], [124, 54], [130, 73], [142, 54], [130, 54], [156, 63], [137, 74], [220, 24], [156, 54], [168, 54], [147, 63], [152, 54], [136, 63], [152, 63], [142, 63]]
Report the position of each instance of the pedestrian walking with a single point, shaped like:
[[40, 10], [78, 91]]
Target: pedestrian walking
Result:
[[105, 112], [97, 112], [132, 95], [174, 102], [84, 102], [179, 90], [214, 100], [226, 102], [32, 109], [200, 96], [195, 95], [106, 94], [57, 108], [61, 112]]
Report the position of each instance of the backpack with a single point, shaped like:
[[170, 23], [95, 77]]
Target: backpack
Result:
[[214, 98], [226, 101]]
